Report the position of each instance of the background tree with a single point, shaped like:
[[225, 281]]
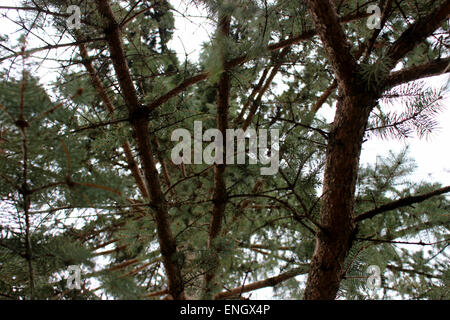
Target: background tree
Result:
[[86, 170]]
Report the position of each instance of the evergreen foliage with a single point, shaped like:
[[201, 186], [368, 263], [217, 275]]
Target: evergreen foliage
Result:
[[69, 195]]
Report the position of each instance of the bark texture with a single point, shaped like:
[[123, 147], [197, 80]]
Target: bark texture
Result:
[[355, 102], [334, 241]]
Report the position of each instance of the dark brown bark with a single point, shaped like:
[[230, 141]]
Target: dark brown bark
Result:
[[335, 43], [342, 160], [418, 32], [334, 239], [337, 225], [433, 68]]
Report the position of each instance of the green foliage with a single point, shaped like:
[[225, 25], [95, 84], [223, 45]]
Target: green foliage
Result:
[[421, 107], [85, 208]]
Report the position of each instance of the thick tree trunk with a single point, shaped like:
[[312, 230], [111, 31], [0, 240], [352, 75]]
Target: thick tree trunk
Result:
[[334, 241], [335, 238]]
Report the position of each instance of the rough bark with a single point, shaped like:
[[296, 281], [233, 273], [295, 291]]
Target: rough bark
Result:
[[335, 43], [334, 239], [418, 32], [342, 160], [433, 68], [355, 102]]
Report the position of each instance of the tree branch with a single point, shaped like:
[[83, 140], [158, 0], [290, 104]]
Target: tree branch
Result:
[[220, 190], [140, 124], [417, 32], [269, 282], [400, 203], [306, 35], [257, 102], [101, 91], [335, 42], [432, 68], [50, 47]]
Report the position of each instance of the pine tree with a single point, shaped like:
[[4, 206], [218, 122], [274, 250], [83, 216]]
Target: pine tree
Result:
[[86, 176]]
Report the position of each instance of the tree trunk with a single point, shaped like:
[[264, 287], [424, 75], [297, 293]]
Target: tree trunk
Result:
[[338, 228], [220, 191], [334, 241]]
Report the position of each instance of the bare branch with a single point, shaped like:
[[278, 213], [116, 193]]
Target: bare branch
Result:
[[400, 203], [269, 282], [432, 68]]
